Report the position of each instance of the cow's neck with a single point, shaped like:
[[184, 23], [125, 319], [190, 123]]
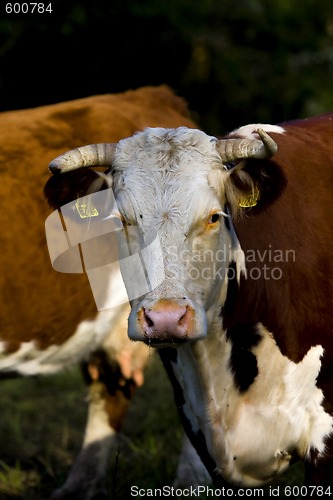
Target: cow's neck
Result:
[[231, 396], [263, 294]]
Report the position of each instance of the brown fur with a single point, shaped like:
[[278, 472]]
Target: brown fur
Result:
[[40, 304], [37, 303], [297, 308]]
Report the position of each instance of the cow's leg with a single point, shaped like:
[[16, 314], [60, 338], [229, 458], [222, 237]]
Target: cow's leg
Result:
[[190, 471], [106, 412], [113, 375]]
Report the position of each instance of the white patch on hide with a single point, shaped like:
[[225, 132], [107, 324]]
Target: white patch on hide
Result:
[[252, 436], [98, 426], [89, 335]]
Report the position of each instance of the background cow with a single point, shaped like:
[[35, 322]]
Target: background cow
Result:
[[247, 284], [49, 320]]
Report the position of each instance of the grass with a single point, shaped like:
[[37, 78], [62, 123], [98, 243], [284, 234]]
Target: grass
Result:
[[42, 423]]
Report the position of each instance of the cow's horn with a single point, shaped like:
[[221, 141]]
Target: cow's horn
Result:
[[93, 155], [238, 149]]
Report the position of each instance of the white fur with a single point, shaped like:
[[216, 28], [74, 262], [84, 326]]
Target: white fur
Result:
[[98, 427], [29, 360], [249, 131], [159, 175], [279, 415]]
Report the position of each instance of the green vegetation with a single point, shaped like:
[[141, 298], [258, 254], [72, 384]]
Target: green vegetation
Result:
[[42, 423]]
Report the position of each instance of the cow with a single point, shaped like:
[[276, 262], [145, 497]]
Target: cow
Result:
[[49, 321], [241, 314]]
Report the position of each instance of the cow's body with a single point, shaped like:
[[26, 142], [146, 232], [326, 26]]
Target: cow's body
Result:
[[29, 138], [247, 289], [272, 393], [48, 320]]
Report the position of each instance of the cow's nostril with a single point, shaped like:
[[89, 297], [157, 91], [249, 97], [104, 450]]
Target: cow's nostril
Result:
[[149, 321], [183, 319]]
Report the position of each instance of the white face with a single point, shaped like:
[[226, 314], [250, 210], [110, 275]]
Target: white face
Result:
[[169, 184]]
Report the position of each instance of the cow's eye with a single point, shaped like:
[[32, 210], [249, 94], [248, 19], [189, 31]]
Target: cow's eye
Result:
[[214, 218]]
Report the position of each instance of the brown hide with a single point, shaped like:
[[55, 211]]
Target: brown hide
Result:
[[297, 308], [37, 303]]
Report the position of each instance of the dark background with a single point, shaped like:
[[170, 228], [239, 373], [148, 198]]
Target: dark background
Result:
[[235, 61]]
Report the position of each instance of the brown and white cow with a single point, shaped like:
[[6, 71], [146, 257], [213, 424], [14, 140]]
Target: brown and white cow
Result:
[[49, 320], [243, 312]]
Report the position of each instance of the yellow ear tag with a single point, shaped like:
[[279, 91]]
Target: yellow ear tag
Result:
[[251, 199], [85, 209]]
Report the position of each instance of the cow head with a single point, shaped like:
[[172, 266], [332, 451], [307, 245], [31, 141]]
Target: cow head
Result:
[[184, 187]]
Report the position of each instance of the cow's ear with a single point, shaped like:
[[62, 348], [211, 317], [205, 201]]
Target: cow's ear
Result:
[[63, 188], [254, 184]]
